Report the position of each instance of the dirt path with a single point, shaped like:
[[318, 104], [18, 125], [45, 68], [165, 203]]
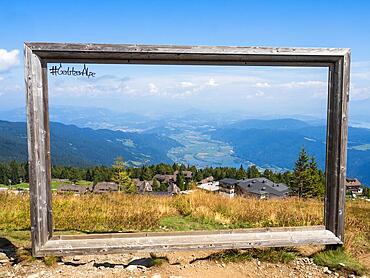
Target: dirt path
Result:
[[184, 264]]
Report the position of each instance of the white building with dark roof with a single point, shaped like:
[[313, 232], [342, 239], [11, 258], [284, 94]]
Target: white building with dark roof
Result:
[[257, 187], [262, 188], [227, 187]]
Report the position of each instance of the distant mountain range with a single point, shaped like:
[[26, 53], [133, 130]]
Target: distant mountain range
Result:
[[71, 145], [276, 144], [91, 136], [93, 117]]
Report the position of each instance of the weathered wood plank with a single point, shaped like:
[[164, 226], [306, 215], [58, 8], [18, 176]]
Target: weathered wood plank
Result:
[[191, 241], [343, 146], [184, 233], [336, 148], [191, 55], [192, 62], [135, 48], [47, 188], [38, 149]]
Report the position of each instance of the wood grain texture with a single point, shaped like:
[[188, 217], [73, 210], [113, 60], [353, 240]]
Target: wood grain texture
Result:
[[191, 55], [185, 233], [134, 48], [37, 55], [38, 150], [160, 242], [336, 153]]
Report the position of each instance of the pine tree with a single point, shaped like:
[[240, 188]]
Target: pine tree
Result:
[[121, 177], [175, 167], [241, 173], [146, 173], [180, 181], [88, 176], [308, 180], [366, 192], [300, 174], [253, 172], [268, 174], [316, 182], [163, 187], [26, 171], [156, 185], [14, 173], [198, 176]]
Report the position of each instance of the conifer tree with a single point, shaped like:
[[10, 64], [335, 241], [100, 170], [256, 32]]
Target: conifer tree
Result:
[[241, 173], [121, 177], [268, 174], [156, 185], [253, 172], [307, 180], [300, 173], [180, 181]]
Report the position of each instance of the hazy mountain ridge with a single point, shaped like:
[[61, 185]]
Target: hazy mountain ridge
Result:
[[276, 143], [93, 117], [71, 145], [267, 142], [278, 124]]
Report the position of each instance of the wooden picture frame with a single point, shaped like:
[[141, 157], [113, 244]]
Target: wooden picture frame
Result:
[[38, 55]]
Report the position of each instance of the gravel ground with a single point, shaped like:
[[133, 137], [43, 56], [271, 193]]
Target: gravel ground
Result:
[[180, 264]]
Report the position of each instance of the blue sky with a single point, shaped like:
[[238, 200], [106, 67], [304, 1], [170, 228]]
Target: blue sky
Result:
[[247, 23]]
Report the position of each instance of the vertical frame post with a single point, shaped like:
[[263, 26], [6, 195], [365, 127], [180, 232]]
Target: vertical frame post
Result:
[[38, 149], [336, 146]]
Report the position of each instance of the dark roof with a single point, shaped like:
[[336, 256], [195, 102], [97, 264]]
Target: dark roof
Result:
[[71, 188], [228, 182], [208, 179], [262, 186], [165, 178], [143, 186], [352, 182], [105, 186]]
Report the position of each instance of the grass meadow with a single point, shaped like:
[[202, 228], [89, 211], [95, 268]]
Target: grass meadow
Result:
[[118, 212]]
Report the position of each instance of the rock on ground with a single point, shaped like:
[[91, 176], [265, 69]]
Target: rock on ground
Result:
[[180, 264]]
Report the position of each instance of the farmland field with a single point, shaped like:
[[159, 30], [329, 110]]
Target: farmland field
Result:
[[200, 150]]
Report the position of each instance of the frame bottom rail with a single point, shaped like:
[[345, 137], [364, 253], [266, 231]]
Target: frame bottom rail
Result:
[[164, 242]]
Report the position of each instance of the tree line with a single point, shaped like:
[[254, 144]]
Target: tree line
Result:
[[306, 180]]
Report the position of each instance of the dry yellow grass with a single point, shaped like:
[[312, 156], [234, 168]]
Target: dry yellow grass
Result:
[[121, 212]]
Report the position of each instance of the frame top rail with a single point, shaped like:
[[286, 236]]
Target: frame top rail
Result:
[[174, 54], [245, 50]]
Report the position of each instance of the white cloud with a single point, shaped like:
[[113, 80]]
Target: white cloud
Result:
[[211, 82], [183, 94], [153, 89], [262, 85], [358, 92], [186, 84], [11, 88], [361, 70], [199, 87], [8, 59], [362, 75], [303, 84], [101, 86]]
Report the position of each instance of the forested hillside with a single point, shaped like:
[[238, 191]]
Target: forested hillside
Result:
[[276, 143], [71, 145]]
